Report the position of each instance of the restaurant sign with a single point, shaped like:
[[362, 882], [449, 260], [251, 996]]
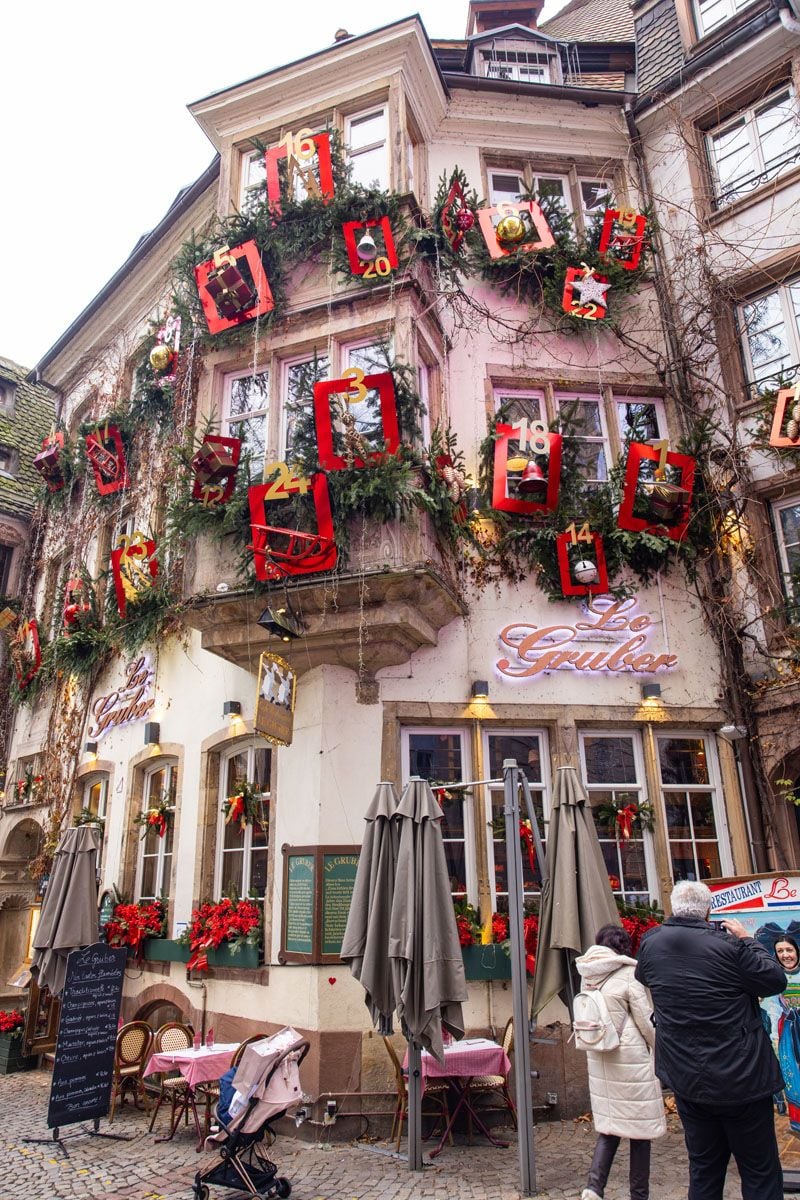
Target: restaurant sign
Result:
[[130, 702], [613, 637]]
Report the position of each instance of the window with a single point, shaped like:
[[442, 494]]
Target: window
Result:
[[520, 65], [254, 178], [695, 825], [640, 420], [8, 393], [786, 519], [596, 196], [584, 419], [246, 405], [755, 146], [365, 138], [519, 405], [511, 186], [711, 13], [298, 379], [371, 358], [9, 461], [529, 748], [155, 853], [613, 773], [242, 853], [6, 556], [770, 327], [441, 756], [94, 799]]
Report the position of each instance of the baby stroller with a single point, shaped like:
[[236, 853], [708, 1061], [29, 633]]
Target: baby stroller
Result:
[[265, 1086]]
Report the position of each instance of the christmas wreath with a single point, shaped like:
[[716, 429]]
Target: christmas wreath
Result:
[[243, 805], [620, 817], [156, 817]]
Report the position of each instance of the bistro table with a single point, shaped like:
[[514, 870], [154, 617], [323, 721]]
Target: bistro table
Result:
[[463, 1062], [197, 1065]]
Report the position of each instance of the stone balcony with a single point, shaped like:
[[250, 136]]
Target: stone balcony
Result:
[[394, 595]]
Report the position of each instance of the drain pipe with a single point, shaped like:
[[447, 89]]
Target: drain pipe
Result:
[[789, 23]]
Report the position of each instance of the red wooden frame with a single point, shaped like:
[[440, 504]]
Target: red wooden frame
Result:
[[500, 498], [263, 303], [106, 452], [634, 242], [146, 547], [220, 478], [305, 553], [456, 200], [777, 437], [47, 461], [384, 224], [638, 453], [28, 629], [546, 240], [322, 143], [568, 303], [568, 586], [383, 384]]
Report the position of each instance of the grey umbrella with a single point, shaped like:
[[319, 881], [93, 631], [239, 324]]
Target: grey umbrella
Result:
[[68, 919], [425, 954], [576, 897], [366, 938]]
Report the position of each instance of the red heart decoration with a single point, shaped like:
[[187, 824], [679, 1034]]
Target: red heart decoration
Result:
[[331, 980]]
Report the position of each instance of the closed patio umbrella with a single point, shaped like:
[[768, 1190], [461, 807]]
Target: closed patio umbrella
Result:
[[68, 919], [576, 897], [366, 938], [425, 954]]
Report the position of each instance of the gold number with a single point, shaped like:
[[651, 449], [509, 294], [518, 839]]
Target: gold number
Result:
[[381, 266], [581, 535], [357, 392], [300, 145], [537, 433], [286, 483]]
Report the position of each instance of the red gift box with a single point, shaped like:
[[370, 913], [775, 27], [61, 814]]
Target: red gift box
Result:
[[48, 462], [227, 299], [134, 566], [638, 453], [106, 453], [214, 466]]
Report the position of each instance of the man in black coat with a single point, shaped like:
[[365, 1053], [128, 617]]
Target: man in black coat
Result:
[[711, 1046]]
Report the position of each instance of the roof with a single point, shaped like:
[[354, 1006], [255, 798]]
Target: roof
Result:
[[592, 21], [23, 429]]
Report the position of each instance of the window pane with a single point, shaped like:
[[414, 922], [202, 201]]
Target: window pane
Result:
[[778, 130], [609, 759], [703, 822], [233, 836], [765, 330], [519, 407], [232, 864], [149, 877], [552, 189], [435, 756], [253, 433], [369, 168], [456, 867], [366, 131], [677, 811], [258, 873], [790, 524], [595, 195], [683, 760], [298, 402], [262, 758], [236, 771], [639, 422], [683, 865], [734, 157], [708, 860], [524, 748], [504, 187], [249, 393], [634, 871]]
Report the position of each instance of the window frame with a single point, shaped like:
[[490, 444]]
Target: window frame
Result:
[[791, 330], [488, 731], [603, 438], [225, 755], [88, 783], [470, 843], [780, 542], [152, 769], [364, 114], [714, 787], [748, 117], [640, 786], [11, 453], [285, 365], [734, 7], [228, 420], [6, 566]]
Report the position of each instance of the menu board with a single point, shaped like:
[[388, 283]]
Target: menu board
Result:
[[318, 886], [87, 1035]]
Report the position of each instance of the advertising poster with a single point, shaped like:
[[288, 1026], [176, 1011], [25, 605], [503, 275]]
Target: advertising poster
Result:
[[769, 908]]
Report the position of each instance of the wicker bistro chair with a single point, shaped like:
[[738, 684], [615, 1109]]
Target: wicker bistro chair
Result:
[[435, 1093], [173, 1087], [130, 1056], [486, 1084]]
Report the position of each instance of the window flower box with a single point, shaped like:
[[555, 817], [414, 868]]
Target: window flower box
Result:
[[12, 1056], [164, 950], [486, 962]]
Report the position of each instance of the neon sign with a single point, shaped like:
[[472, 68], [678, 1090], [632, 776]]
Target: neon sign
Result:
[[128, 703], [537, 649]]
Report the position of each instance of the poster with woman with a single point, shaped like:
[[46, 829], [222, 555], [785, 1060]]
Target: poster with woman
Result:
[[769, 908]]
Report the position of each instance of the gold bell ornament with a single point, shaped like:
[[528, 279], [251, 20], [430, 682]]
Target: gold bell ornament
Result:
[[161, 358], [510, 230], [366, 249]]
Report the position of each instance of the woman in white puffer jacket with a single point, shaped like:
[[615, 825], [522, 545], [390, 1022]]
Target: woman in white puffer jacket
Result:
[[626, 1096]]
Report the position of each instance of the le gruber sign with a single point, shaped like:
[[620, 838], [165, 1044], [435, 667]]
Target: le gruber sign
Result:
[[755, 893], [130, 702], [534, 649]]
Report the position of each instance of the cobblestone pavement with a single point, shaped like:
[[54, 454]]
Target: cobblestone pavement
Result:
[[138, 1169]]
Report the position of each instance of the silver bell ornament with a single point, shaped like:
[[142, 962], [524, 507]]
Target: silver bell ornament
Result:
[[366, 249], [585, 571]]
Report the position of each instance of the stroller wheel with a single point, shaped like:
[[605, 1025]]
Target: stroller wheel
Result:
[[201, 1191], [282, 1187]]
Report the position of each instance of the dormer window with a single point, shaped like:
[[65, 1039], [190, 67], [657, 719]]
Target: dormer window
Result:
[[518, 65], [516, 55], [8, 392]]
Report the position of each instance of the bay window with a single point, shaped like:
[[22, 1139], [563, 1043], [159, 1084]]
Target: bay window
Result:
[[154, 869], [242, 849]]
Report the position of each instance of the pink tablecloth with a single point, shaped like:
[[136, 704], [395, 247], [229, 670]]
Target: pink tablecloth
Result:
[[196, 1066], [465, 1059]]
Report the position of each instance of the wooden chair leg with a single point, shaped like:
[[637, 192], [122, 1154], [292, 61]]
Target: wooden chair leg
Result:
[[155, 1111], [114, 1087], [511, 1105]]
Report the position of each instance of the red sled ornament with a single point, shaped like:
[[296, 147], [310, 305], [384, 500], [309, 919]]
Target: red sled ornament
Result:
[[592, 288], [299, 150], [667, 503], [106, 453], [786, 418], [528, 234], [622, 237], [76, 605], [353, 388], [48, 462], [134, 567], [364, 255], [520, 485], [26, 652], [227, 297], [456, 217], [280, 553], [587, 575], [214, 467]]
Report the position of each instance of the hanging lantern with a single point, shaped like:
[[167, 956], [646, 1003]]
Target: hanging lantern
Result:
[[162, 358], [585, 571], [227, 297], [534, 480], [510, 230], [367, 249]]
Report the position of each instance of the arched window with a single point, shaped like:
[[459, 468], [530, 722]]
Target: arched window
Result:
[[155, 851], [241, 864]]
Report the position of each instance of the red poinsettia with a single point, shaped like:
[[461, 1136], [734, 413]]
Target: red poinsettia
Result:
[[466, 936], [213, 924], [530, 930], [499, 927], [637, 927], [130, 924], [10, 1020]]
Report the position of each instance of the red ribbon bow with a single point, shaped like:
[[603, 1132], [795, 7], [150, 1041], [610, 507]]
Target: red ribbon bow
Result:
[[158, 821], [236, 811], [625, 818], [526, 835]]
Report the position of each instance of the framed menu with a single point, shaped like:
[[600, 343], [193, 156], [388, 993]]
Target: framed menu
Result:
[[318, 886]]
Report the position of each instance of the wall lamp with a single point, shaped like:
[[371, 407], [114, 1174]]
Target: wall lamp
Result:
[[152, 733], [90, 747], [480, 689], [281, 622], [231, 708], [651, 691]]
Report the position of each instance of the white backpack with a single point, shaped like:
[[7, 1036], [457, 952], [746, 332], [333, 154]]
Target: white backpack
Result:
[[592, 1027]]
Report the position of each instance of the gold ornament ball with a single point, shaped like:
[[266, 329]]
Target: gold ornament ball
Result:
[[160, 358], [510, 231]]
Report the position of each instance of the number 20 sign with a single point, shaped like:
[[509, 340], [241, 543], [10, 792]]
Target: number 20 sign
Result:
[[383, 264]]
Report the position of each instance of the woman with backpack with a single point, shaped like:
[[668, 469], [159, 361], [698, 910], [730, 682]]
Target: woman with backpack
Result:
[[615, 1029]]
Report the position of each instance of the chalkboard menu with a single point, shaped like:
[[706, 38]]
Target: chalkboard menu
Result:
[[87, 1035], [318, 886]]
